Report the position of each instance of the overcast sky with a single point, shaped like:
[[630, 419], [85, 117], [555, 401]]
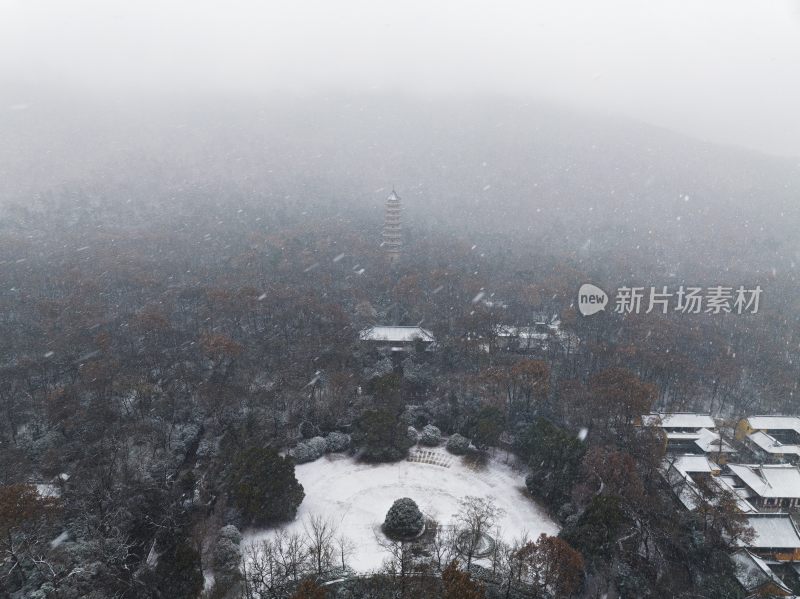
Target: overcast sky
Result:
[[723, 70]]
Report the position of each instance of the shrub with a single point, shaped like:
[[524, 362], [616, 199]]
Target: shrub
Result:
[[302, 453], [336, 442], [431, 435], [308, 451], [318, 444], [404, 519], [458, 444], [308, 430], [413, 434]]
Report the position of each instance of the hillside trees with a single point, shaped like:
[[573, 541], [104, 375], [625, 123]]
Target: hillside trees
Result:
[[524, 384], [619, 398], [24, 517]]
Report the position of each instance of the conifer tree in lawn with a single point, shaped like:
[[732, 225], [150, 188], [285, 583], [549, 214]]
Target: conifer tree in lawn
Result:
[[403, 519]]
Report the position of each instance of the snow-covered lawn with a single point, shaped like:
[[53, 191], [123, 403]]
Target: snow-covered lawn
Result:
[[357, 496]]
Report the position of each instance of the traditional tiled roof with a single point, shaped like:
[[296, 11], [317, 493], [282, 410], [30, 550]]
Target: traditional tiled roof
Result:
[[775, 423], [769, 480], [753, 573], [769, 444], [772, 531]]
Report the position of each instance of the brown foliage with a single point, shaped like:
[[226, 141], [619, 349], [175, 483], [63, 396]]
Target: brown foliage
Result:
[[614, 473], [310, 590], [458, 584], [21, 504], [219, 346], [620, 397], [551, 566]]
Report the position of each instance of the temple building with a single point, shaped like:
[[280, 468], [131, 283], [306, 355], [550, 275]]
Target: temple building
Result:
[[393, 228]]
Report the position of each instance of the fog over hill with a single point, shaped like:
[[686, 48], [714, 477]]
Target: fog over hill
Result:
[[478, 166]]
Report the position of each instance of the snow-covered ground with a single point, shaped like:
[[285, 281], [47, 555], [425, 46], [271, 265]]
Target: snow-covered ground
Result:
[[357, 496]]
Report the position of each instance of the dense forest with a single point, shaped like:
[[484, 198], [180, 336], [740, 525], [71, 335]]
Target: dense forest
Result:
[[159, 358]]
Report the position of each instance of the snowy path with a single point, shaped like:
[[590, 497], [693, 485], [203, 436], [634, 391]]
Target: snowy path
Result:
[[357, 496]]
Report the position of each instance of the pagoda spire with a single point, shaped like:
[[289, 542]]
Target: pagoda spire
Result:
[[393, 228]]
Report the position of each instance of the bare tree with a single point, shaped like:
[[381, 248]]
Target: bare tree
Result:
[[443, 547], [475, 517], [508, 563], [272, 567], [320, 537], [399, 562], [344, 549], [261, 574], [292, 554]]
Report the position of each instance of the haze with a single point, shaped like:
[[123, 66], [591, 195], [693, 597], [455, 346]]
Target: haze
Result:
[[293, 299], [724, 71]]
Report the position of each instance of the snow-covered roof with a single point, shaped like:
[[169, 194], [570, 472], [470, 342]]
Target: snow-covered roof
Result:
[[752, 572], [770, 444], [775, 423], [678, 470], [711, 442], [693, 436], [728, 483], [679, 420], [772, 531], [769, 480], [395, 334], [691, 463]]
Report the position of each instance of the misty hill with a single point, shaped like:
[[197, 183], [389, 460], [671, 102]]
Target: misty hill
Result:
[[490, 166]]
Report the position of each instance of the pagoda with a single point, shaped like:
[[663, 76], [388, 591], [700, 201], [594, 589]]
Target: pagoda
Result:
[[393, 228]]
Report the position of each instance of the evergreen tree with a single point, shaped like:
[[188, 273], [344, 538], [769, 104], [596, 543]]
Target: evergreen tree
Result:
[[264, 487], [178, 574], [382, 437], [403, 519], [555, 458]]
